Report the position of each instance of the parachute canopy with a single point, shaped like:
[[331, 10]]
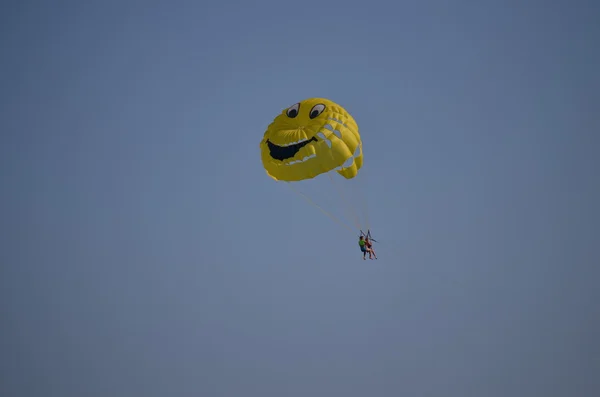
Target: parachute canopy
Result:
[[310, 138]]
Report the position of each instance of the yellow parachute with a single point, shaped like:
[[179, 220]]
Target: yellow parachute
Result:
[[313, 137], [310, 138]]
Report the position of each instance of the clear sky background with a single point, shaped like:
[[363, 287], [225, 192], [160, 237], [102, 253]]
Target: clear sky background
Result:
[[145, 252]]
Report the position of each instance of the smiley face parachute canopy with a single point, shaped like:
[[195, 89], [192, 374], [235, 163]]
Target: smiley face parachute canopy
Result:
[[311, 138]]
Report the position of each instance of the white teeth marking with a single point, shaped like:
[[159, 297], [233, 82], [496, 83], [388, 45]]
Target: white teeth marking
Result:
[[301, 161], [322, 136], [294, 143]]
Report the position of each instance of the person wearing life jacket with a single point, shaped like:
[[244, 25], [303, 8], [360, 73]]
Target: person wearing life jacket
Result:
[[362, 243]]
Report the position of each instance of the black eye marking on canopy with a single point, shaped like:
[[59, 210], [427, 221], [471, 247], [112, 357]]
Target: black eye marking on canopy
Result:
[[287, 152], [293, 111], [316, 110]]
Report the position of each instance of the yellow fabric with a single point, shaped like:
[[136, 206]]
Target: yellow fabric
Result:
[[338, 144]]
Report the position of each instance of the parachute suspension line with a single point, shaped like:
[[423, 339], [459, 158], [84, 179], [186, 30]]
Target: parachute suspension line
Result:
[[359, 191], [319, 207], [365, 210], [349, 206]]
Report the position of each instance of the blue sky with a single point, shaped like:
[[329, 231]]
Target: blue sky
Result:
[[145, 252]]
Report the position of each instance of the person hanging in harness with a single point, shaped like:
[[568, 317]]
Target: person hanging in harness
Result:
[[362, 243], [369, 246]]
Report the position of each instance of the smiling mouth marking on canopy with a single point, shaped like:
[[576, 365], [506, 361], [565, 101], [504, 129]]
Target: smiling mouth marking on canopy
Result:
[[289, 151]]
